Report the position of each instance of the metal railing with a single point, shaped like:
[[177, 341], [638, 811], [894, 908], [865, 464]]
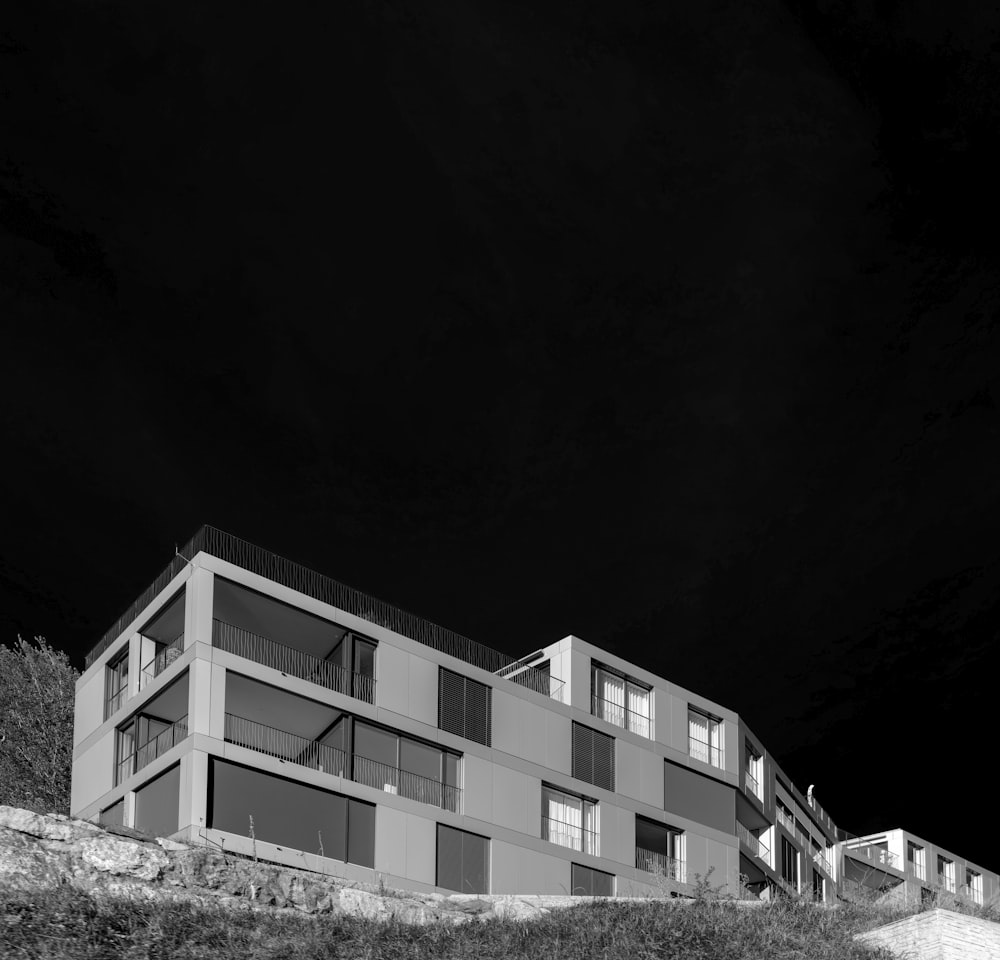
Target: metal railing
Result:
[[946, 883], [620, 716], [570, 835], [164, 658], [872, 853], [752, 785], [918, 870], [270, 653], [658, 863], [285, 746], [151, 749], [326, 759], [785, 820], [821, 860], [750, 840], [821, 814], [293, 575], [115, 701], [705, 752]]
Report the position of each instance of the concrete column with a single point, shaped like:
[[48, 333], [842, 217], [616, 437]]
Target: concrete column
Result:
[[128, 813], [134, 666], [217, 705], [198, 607], [200, 696], [193, 807]]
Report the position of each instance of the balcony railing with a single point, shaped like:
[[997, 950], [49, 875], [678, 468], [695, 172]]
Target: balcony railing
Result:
[[151, 749], [620, 716], [918, 870], [659, 864], [821, 861], [752, 785], [753, 843], [873, 853], [706, 752], [570, 835], [413, 786], [946, 883], [786, 821], [270, 653], [116, 700], [293, 575], [163, 659], [327, 759]]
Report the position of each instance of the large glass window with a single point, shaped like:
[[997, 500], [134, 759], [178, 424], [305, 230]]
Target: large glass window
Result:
[[754, 773], [588, 882], [402, 765], [974, 883], [659, 849], [570, 821], [705, 738], [463, 860], [593, 757], [157, 804], [789, 863], [915, 858], [116, 684], [290, 814], [356, 655], [620, 700], [946, 873], [464, 706]]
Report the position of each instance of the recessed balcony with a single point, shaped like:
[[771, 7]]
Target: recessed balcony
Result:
[[753, 843], [660, 865]]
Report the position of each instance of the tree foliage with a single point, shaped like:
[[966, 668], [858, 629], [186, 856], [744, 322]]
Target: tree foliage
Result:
[[37, 689]]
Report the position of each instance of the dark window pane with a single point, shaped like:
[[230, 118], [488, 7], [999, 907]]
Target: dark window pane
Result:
[[593, 756], [449, 858], [650, 835], [464, 707], [375, 743], [475, 864], [361, 833], [451, 769], [419, 758], [284, 812], [114, 816], [364, 658], [587, 882], [157, 804]]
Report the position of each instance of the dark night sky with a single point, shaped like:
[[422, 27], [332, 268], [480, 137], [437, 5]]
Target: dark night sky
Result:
[[673, 326]]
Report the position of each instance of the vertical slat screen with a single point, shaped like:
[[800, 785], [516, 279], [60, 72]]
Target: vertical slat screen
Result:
[[464, 707], [593, 757]]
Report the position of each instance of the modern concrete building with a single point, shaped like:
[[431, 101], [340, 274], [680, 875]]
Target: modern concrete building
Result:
[[248, 703]]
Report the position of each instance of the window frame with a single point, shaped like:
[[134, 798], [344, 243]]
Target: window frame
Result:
[[488, 871], [574, 756], [120, 694], [643, 727], [467, 729], [594, 846], [593, 870], [720, 750]]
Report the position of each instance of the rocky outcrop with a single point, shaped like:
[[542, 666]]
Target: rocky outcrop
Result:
[[45, 850]]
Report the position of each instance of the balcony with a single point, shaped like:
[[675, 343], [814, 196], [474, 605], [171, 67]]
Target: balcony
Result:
[[621, 716], [786, 821], [571, 835], [660, 865], [752, 786], [295, 663], [706, 752], [327, 759], [151, 749], [873, 854], [163, 659], [753, 843], [821, 861]]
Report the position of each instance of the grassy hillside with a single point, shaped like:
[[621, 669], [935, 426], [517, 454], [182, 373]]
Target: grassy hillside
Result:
[[65, 923]]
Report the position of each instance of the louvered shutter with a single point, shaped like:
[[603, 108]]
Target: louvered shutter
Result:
[[464, 707], [593, 757]]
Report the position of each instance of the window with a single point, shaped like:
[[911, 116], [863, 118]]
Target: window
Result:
[[915, 858], [789, 863], [620, 700], [946, 873], [785, 817], [974, 881], [116, 684], [144, 738], [705, 738], [588, 882], [660, 849], [290, 814], [157, 804], [593, 757], [399, 764], [818, 894], [463, 860], [570, 821], [926, 897], [356, 656], [464, 707], [754, 772], [113, 816]]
